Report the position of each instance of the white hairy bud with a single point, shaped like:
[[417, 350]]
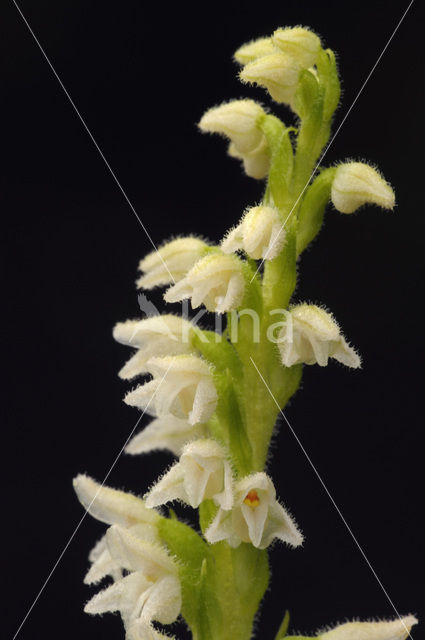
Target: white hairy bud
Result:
[[170, 262], [216, 281], [260, 234], [356, 184], [310, 335], [278, 73], [301, 44], [255, 163], [254, 49], [182, 385], [238, 121]]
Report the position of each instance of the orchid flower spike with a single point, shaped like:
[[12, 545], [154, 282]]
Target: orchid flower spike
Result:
[[356, 184], [310, 335], [256, 516], [217, 281], [202, 473], [260, 234], [182, 385], [170, 262], [166, 433], [155, 336]]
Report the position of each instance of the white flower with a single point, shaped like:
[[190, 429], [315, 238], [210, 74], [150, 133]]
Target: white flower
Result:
[[151, 591], [256, 516], [170, 262], [168, 432], [277, 72], [202, 473], [256, 163], [238, 121], [216, 281], [113, 507], [182, 385], [301, 44], [155, 336], [254, 49], [382, 630], [260, 234], [356, 184], [310, 335]]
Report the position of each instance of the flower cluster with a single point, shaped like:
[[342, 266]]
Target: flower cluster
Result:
[[210, 408]]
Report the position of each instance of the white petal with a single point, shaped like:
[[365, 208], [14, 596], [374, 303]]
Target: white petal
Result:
[[233, 241], [167, 432], [103, 566], [134, 554], [168, 488], [164, 601], [111, 506]]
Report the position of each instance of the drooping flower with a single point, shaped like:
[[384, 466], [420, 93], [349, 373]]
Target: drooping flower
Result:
[[182, 385], [113, 507], [300, 43], [170, 262], [155, 336], [356, 184], [310, 335], [260, 234], [216, 281], [276, 72], [256, 516], [382, 630], [150, 592], [203, 472], [169, 433]]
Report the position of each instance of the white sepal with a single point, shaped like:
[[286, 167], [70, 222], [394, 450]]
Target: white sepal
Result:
[[300, 43], [110, 505], [277, 72], [155, 336], [256, 516], [310, 335], [170, 262], [356, 184], [142, 630], [238, 121], [182, 385], [168, 433], [254, 49], [260, 234], [216, 281], [256, 163], [202, 473], [382, 630]]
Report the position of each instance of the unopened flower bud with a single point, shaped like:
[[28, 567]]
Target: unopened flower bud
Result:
[[216, 281], [278, 73], [171, 262], [254, 49], [256, 163], [237, 120], [260, 234], [356, 184], [381, 630], [301, 44]]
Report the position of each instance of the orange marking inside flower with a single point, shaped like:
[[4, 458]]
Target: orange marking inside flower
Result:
[[252, 499]]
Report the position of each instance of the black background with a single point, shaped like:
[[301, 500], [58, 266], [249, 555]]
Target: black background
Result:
[[142, 75]]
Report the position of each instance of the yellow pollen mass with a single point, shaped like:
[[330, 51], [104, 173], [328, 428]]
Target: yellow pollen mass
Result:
[[252, 498]]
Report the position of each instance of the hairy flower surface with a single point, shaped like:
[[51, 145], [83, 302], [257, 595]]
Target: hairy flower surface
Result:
[[310, 335], [170, 262], [356, 184], [254, 49], [256, 516], [256, 163], [155, 336], [277, 72], [203, 472], [382, 630], [237, 120], [300, 43], [260, 234], [168, 433], [182, 385], [216, 281]]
